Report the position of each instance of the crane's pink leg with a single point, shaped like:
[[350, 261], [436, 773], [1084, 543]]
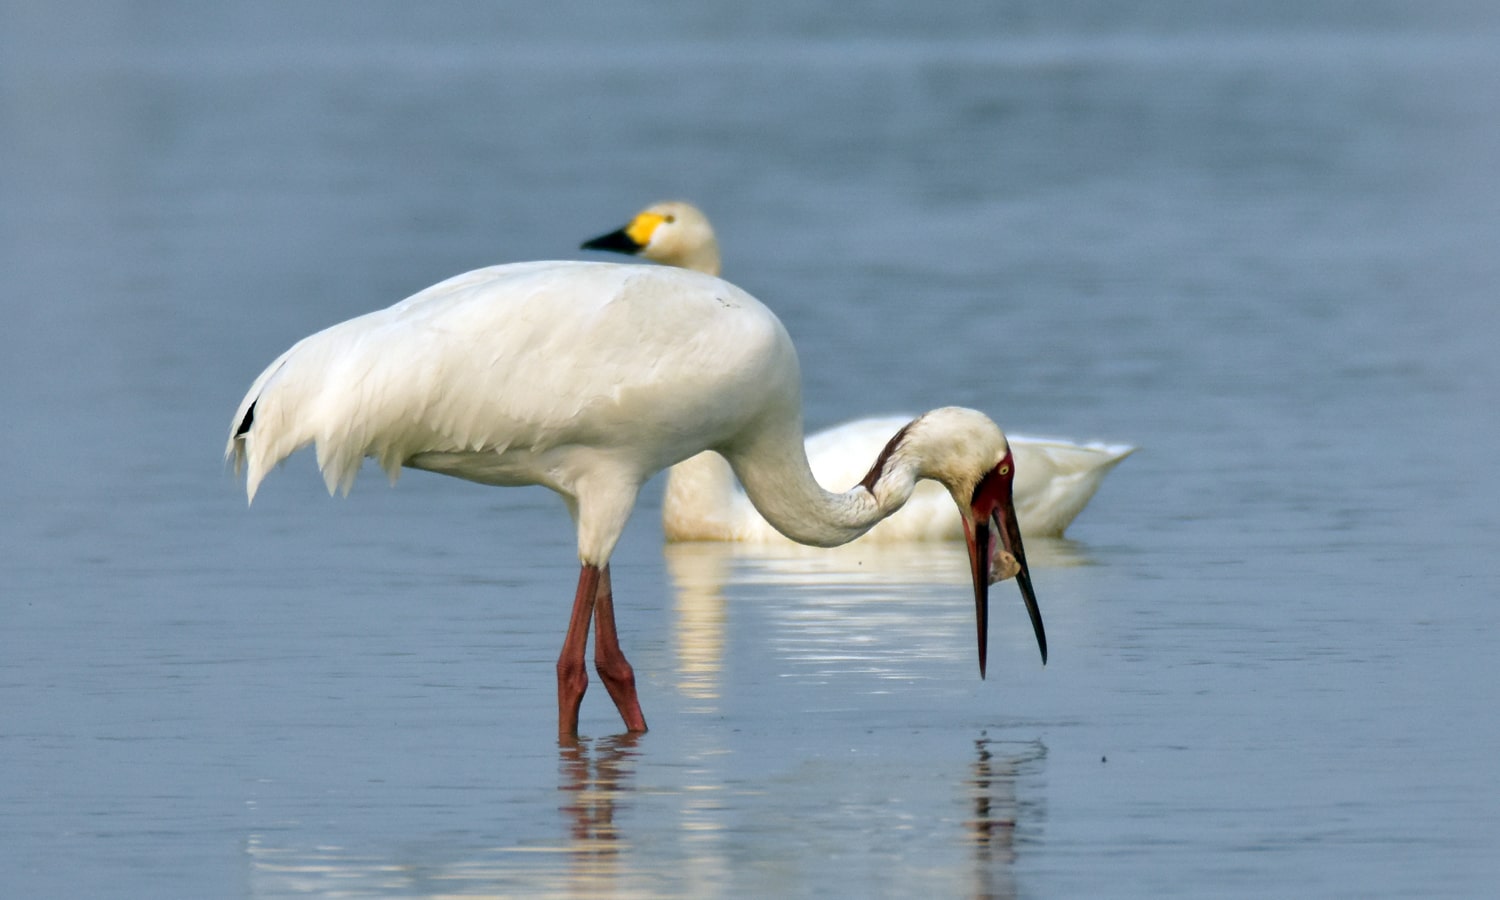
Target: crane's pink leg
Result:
[[609, 660], [572, 670]]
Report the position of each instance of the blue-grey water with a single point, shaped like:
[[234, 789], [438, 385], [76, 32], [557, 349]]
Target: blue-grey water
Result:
[[1261, 242]]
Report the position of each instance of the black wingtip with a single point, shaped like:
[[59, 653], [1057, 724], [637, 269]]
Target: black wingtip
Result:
[[246, 422]]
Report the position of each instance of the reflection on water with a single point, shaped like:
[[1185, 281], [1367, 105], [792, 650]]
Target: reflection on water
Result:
[[997, 812], [593, 780], [698, 572], [838, 610], [648, 815], [590, 858], [859, 565], [964, 822]]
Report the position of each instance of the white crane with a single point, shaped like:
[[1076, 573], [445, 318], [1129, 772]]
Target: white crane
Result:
[[1055, 479], [589, 378]]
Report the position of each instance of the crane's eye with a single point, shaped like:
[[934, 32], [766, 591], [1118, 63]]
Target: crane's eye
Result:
[[1004, 470]]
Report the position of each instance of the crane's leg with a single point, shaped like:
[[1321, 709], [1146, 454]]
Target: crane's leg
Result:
[[572, 669], [609, 660]]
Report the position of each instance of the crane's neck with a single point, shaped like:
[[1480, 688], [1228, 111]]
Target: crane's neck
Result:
[[780, 483]]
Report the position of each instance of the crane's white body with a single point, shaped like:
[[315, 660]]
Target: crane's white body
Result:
[[531, 374], [587, 378], [1055, 479]]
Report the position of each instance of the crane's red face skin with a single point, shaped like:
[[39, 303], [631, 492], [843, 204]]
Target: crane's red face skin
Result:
[[996, 552]]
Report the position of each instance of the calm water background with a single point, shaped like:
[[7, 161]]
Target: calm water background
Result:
[[1260, 241]]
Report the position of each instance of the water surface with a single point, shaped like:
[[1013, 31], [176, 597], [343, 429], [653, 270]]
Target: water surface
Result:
[[1257, 244]]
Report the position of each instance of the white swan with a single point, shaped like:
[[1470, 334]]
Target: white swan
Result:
[[589, 378], [673, 233], [1055, 479]]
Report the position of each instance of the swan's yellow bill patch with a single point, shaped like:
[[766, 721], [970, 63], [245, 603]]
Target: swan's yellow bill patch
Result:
[[643, 226]]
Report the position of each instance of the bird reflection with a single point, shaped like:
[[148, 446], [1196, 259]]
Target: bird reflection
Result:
[[864, 604], [992, 830], [593, 779], [699, 571]]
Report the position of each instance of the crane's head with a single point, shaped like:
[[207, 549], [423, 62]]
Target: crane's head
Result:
[[969, 455], [995, 549], [673, 233]]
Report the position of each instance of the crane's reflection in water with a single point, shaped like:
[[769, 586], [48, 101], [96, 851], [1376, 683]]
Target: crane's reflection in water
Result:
[[594, 776], [997, 811], [764, 778]]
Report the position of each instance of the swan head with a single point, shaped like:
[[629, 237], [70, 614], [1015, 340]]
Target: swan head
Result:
[[968, 454], [673, 233]]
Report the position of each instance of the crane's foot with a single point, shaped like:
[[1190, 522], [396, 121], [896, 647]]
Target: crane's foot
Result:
[[572, 682], [609, 660], [619, 679]]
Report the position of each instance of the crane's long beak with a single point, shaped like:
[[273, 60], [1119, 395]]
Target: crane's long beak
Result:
[[1010, 539], [992, 517], [978, 535]]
